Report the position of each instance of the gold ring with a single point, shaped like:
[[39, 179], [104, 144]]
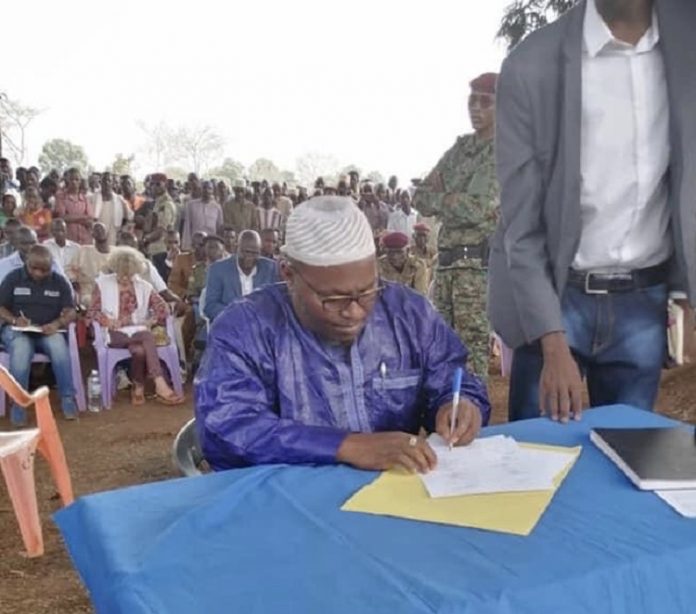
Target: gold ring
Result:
[[413, 441]]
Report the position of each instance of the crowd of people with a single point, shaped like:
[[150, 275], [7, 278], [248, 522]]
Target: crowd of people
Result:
[[133, 257]]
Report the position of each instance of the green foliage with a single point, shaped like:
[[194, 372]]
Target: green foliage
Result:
[[61, 155], [524, 16], [122, 164], [231, 170]]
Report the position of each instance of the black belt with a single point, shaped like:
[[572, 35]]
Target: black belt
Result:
[[448, 256], [606, 283]]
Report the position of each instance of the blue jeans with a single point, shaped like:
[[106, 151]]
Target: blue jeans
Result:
[[22, 346], [618, 341]]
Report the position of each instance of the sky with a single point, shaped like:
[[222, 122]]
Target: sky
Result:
[[376, 83]]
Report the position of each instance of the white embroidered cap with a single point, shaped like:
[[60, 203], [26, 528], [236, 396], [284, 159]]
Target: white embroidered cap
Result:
[[328, 231]]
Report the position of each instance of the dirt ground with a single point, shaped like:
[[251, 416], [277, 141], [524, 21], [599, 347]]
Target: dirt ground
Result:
[[129, 445]]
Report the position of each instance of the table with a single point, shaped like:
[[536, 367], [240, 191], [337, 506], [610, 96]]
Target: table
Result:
[[272, 539]]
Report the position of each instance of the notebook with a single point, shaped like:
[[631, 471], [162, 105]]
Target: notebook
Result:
[[652, 458]]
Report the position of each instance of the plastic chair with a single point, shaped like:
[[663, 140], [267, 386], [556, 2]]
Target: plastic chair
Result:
[[17, 461], [75, 365], [186, 450], [108, 358]]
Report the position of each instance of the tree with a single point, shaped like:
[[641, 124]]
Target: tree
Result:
[[524, 16], [314, 164], [198, 146], [230, 170], [15, 117], [287, 177], [192, 146], [375, 177], [61, 155], [263, 168], [122, 164], [159, 141], [351, 167], [176, 172]]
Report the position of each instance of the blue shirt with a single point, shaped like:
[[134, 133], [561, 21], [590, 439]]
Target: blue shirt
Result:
[[41, 302], [270, 391]]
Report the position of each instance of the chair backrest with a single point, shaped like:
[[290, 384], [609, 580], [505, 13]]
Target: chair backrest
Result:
[[186, 450], [50, 444]]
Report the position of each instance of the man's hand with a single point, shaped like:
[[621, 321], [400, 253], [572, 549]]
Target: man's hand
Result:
[[50, 329], [467, 424], [560, 386], [179, 308], [382, 451], [22, 321]]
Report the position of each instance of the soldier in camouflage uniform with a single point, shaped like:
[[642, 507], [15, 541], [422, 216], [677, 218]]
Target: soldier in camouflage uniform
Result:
[[398, 266], [462, 192], [422, 249]]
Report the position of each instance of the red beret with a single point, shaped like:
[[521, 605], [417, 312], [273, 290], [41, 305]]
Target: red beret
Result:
[[485, 83], [158, 177], [421, 227], [395, 240]]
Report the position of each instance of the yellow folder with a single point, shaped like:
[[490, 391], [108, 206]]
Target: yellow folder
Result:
[[404, 496]]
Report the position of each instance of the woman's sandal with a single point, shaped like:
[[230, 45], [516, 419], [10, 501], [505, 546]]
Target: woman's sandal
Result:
[[170, 399]]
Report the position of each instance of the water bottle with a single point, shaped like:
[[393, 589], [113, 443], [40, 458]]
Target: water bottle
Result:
[[94, 392]]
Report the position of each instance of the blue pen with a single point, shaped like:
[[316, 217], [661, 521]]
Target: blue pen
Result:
[[456, 385]]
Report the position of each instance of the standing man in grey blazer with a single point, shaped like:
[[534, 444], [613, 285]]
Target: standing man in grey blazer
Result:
[[596, 154]]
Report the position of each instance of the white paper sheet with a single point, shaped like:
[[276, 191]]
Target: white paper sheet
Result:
[[682, 501], [32, 328], [491, 464], [132, 329]]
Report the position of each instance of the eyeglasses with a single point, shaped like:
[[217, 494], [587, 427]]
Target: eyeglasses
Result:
[[341, 302]]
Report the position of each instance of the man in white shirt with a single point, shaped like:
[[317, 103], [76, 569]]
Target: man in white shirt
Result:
[[109, 208], [404, 218], [598, 186], [63, 251], [281, 201]]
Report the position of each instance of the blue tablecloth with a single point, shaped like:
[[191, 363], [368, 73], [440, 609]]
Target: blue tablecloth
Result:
[[273, 540]]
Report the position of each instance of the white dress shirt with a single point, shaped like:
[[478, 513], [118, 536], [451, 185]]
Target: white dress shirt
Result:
[[246, 281], [400, 222], [625, 151], [65, 256], [153, 277]]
